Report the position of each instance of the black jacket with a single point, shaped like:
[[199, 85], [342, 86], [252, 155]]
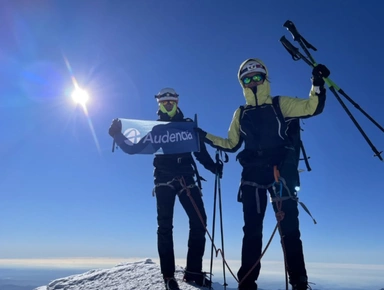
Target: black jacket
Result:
[[169, 166]]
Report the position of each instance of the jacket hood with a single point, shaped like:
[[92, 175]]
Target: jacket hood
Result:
[[263, 91]]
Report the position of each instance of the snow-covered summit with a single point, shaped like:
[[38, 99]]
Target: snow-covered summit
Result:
[[126, 276]]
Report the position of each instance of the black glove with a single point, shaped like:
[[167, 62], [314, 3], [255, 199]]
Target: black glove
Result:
[[318, 73], [115, 128], [219, 168], [201, 133]]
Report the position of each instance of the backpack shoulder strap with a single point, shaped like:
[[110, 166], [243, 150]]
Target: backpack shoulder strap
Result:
[[241, 112], [275, 101], [296, 123], [276, 105]]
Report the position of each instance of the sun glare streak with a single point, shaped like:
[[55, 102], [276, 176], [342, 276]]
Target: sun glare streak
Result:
[[91, 127], [81, 97]]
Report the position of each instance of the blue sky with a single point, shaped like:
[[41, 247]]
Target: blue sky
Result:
[[64, 194]]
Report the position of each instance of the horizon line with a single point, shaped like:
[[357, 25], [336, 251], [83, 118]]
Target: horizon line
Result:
[[89, 262]]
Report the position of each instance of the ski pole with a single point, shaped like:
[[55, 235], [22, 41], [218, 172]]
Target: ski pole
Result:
[[218, 177], [296, 55], [305, 44], [113, 145], [213, 228]]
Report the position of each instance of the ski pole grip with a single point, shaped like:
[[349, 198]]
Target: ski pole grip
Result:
[[292, 29], [217, 156], [289, 46]]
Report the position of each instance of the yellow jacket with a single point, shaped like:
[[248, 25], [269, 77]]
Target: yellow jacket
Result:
[[290, 107]]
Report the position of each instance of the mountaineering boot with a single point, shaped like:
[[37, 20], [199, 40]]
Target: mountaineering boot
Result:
[[199, 278], [301, 286], [171, 283], [252, 286]]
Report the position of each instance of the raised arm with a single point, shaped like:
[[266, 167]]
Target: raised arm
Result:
[[314, 105], [230, 144]]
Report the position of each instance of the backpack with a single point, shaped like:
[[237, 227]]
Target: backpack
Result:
[[293, 132]]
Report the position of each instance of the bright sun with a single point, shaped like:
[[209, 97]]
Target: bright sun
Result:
[[80, 96]]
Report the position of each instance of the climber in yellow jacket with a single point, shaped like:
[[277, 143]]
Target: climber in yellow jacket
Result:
[[270, 156]]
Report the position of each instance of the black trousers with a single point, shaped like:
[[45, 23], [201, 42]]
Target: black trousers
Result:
[[165, 197], [254, 202]]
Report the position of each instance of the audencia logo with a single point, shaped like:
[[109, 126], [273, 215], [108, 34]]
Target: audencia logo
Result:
[[168, 137], [133, 136]]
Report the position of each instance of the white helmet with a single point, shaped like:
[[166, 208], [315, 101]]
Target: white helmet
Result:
[[251, 66], [167, 94]]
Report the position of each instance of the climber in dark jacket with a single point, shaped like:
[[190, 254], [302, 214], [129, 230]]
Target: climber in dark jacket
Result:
[[177, 175]]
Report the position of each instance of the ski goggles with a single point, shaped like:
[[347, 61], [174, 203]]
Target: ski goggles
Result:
[[167, 95], [256, 78]]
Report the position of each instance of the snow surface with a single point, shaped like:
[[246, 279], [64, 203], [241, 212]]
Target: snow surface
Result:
[[141, 275], [126, 276]]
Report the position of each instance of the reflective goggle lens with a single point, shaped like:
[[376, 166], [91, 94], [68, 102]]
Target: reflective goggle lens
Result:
[[256, 78]]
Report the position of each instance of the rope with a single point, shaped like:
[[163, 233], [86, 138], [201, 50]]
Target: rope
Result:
[[280, 216], [262, 254], [217, 250]]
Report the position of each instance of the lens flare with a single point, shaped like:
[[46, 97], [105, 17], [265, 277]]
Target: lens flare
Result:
[[81, 97]]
